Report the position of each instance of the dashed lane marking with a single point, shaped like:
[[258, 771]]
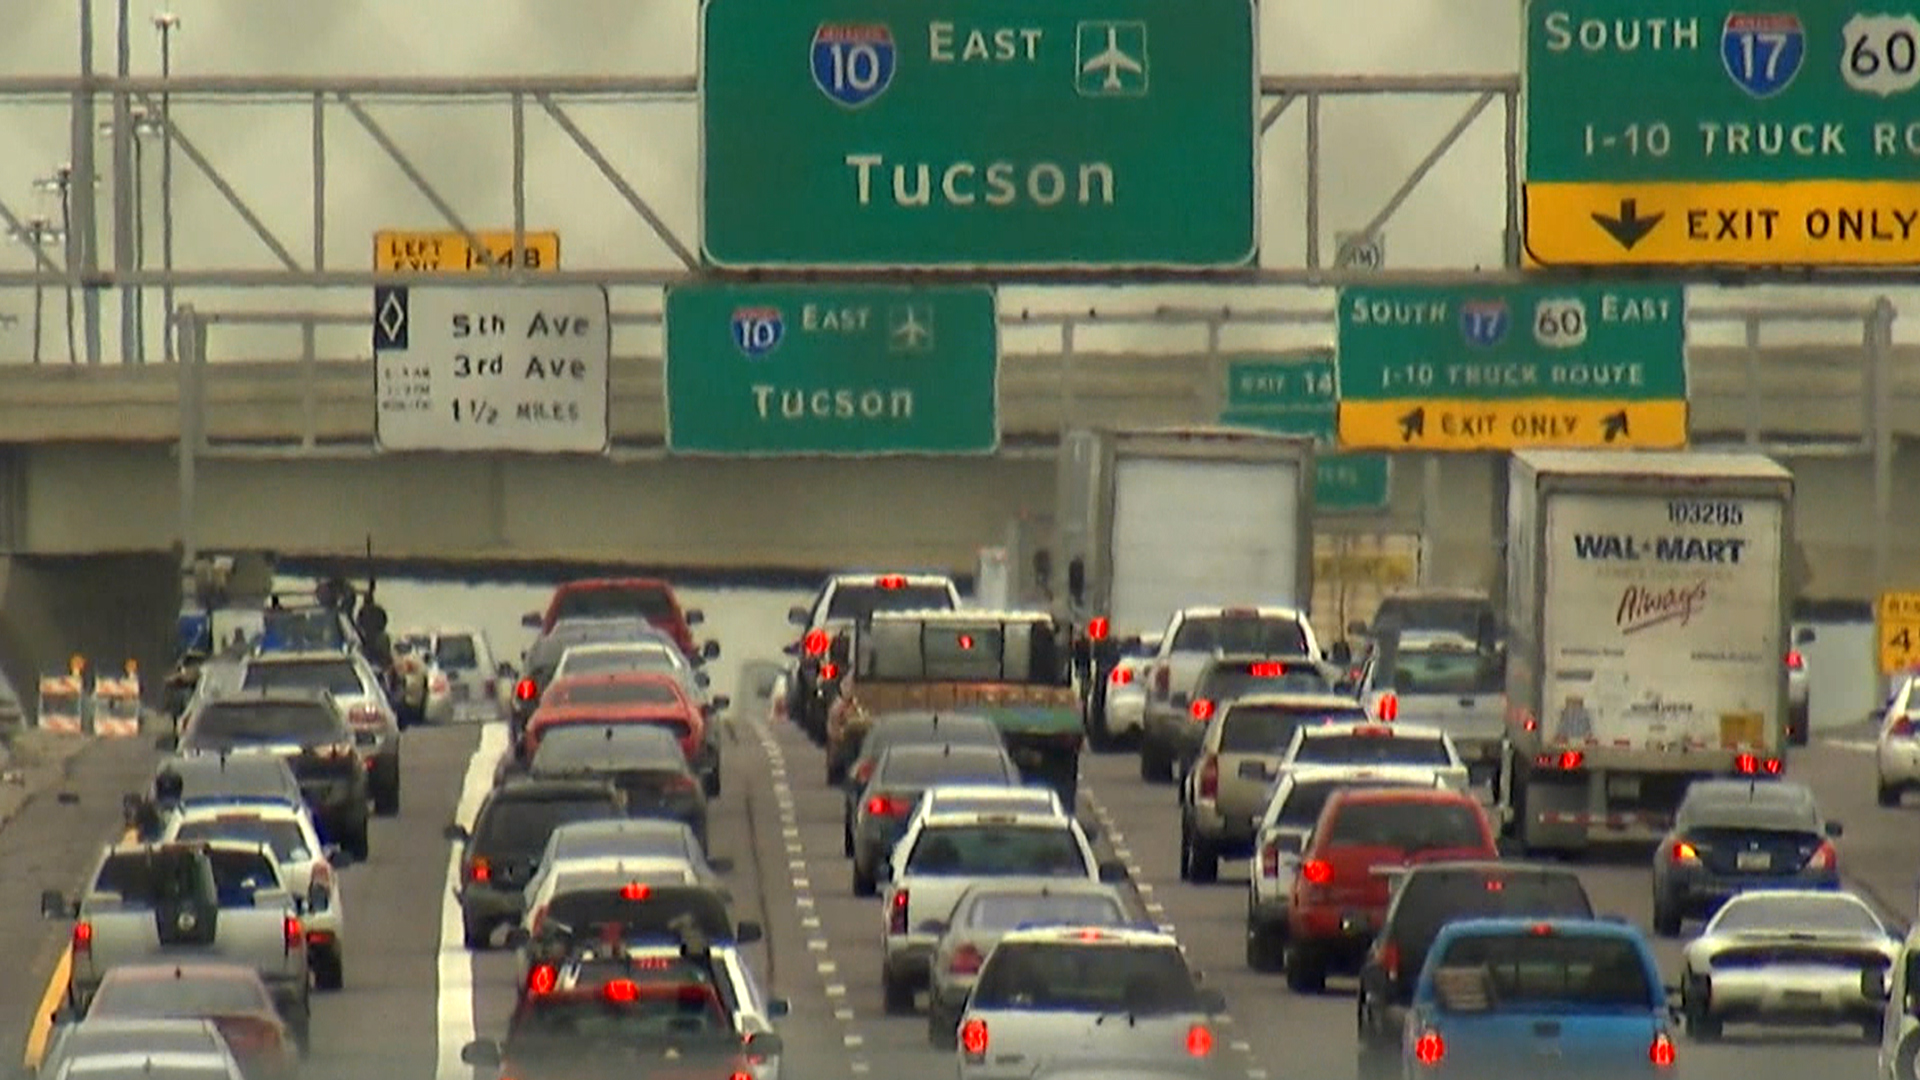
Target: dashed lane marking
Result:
[[845, 1016], [816, 945], [836, 990], [853, 1040], [827, 967], [454, 1005], [1858, 746]]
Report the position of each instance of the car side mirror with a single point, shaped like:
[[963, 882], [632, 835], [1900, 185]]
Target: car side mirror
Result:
[[481, 1052], [1805, 636], [694, 616], [710, 651], [532, 620], [1210, 1001], [779, 1007], [936, 927], [1077, 579], [748, 932], [720, 864], [1341, 653], [167, 743], [456, 832], [1873, 985], [798, 616], [721, 701], [1113, 872], [53, 905], [517, 937], [1835, 829]]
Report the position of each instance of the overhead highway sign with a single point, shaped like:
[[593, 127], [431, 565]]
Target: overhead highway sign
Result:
[[1295, 396], [449, 251]]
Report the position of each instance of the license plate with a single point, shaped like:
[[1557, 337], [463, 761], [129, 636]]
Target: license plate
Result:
[[1623, 787], [1753, 860]]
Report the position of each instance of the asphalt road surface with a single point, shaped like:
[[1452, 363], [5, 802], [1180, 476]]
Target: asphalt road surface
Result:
[[414, 995]]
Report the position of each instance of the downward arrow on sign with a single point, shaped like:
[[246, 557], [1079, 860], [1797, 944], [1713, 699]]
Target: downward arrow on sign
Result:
[[1628, 227]]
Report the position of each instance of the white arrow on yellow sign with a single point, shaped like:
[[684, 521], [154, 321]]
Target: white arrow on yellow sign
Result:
[[449, 252], [1432, 424]]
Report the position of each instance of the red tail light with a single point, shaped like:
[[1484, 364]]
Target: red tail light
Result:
[[1430, 1049], [620, 991], [887, 806], [1210, 777], [973, 1038], [1901, 726], [1121, 676], [897, 913], [296, 937], [541, 979], [815, 643], [1388, 708], [524, 690], [829, 671], [1390, 960], [1097, 628], [1565, 760], [1661, 1051], [1270, 861], [1201, 709], [1824, 857], [1199, 1041], [1684, 852], [82, 937], [1754, 765], [633, 890], [1317, 871], [966, 960], [1795, 660], [891, 581], [1266, 669], [479, 871]]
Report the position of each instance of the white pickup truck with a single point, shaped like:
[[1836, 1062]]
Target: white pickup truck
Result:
[[219, 900]]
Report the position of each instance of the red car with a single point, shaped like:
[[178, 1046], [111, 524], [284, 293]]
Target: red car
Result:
[[645, 598], [1364, 835], [627, 697]]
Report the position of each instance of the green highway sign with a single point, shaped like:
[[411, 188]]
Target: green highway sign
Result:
[[1296, 397], [839, 370], [995, 134], [1726, 134], [1499, 367]]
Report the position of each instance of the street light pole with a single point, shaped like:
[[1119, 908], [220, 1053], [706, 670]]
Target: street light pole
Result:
[[166, 23]]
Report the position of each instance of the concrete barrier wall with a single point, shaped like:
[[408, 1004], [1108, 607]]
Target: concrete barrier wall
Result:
[[107, 608]]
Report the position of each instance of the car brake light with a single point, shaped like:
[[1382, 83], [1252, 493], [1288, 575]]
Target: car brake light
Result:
[[815, 643], [1494, 884], [829, 671], [1270, 861], [541, 979], [1201, 709], [1210, 777], [82, 937], [1430, 1049], [295, 936], [891, 581], [633, 890], [1388, 708], [887, 806], [965, 960], [1390, 960], [1097, 628], [525, 690], [1795, 660], [740, 1074], [1162, 678], [1754, 765], [1266, 669], [1121, 676], [478, 871], [1199, 1041], [973, 1038], [1317, 871], [1685, 852], [1824, 857], [1541, 929], [620, 990], [897, 913], [1565, 760], [1661, 1051], [965, 641]]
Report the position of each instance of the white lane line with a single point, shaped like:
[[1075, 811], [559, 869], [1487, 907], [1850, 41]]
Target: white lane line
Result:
[[851, 1040], [845, 1016], [810, 922], [797, 865], [1856, 745], [859, 1066], [1240, 1047], [816, 945], [454, 1004], [826, 967], [836, 990], [1145, 888], [802, 884], [803, 901], [1256, 1074]]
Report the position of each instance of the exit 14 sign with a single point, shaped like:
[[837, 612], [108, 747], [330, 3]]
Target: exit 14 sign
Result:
[[1295, 396]]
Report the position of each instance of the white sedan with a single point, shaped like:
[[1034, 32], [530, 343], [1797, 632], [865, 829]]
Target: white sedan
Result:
[[307, 866]]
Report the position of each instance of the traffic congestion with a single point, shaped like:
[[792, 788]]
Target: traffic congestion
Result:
[[918, 830]]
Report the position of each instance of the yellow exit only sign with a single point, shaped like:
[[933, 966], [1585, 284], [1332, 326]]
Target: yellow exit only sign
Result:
[[450, 252]]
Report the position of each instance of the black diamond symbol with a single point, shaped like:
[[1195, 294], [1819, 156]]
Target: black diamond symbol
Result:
[[389, 317]]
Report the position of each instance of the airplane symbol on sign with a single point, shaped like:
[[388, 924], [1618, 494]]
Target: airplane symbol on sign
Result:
[[1114, 54], [908, 332], [1113, 62]]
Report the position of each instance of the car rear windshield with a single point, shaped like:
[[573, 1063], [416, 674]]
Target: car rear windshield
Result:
[[1268, 729], [457, 652], [972, 731], [1467, 617], [523, 825], [185, 996], [1241, 634], [146, 1043], [140, 880], [293, 721], [1372, 750], [997, 851], [1306, 800], [240, 874], [1226, 682], [1444, 668], [1408, 825], [600, 661], [338, 677], [656, 1014], [584, 746], [1139, 979], [860, 601], [651, 603], [282, 837], [656, 914], [925, 769], [1006, 911], [1527, 971], [613, 692], [1829, 914], [1430, 900]]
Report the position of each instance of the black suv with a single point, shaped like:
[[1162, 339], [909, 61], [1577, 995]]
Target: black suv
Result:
[[306, 729], [509, 833], [1430, 897]]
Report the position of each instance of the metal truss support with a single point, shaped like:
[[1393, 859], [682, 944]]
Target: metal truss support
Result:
[[1427, 163], [199, 160], [319, 197], [419, 179], [1275, 111], [640, 205]]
